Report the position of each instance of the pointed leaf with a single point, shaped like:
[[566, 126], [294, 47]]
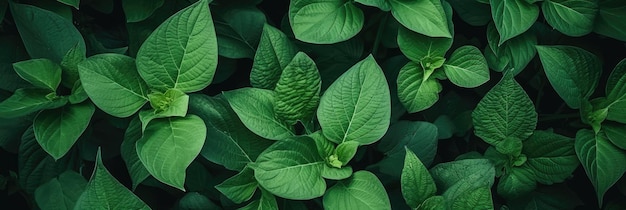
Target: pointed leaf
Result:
[[169, 145], [467, 67], [182, 52], [570, 17], [425, 17], [346, 151], [416, 46], [69, 64], [105, 192], [324, 21], [416, 183], [275, 51], [572, 71], [515, 53], [136, 11], [414, 91], [35, 166], [433, 203], [57, 130], [78, 94], [61, 192], [266, 202], [113, 84], [357, 106], [361, 191], [472, 12], [609, 19], [616, 84], [128, 151], [298, 90], [255, 108], [42, 73], [195, 200], [512, 17], [26, 101], [238, 30], [239, 188], [461, 177]]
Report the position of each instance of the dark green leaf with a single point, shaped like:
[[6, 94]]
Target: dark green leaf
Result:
[[472, 12], [479, 198], [419, 137], [417, 184], [616, 133], [138, 10], [609, 19], [425, 17], [26, 101], [41, 73], [266, 202], [61, 192], [13, 51], [512, 17], [35, 166], [239, 188], [78, 94], [515, 53], [416, 90], [462, 177], [361, 191], [195, 201], [380, 4], [517, 182], [238, 30], [570, 17], [128, 150], [57, 130], [73, 3], [551, 157], [275, 51]]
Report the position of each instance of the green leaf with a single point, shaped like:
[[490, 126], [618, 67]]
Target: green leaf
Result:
[[551, 157], [113, 84], [324, 21], [472, 12], [504, 116], [195, 200], [136, 11], [61, 192], [416, 46], [266, 202], [128, 150], [517, 182], [364, 116], [515, 53], [255, 108], [416, 183], [346, 151], [172, 103], [41, 73], [35, 166], [425, 17], [78, 94], [553, 197], [415, 90], [467, 67], [380, 4], [433, 203], [570, 17], [275, 51], [462, 177], [233, 145], [291, 169], [104, 192], [69, 64], [598, 157], [73, 3], [57, 130], [361, 191], [573, 72], [163, 63], [616, 133], [479, 198], [419, 137], [169, 145], [29, 100], [512, 17], [609, 19], [238, 30], [298, 90], [239, 188], [616, 83], [334, 173]]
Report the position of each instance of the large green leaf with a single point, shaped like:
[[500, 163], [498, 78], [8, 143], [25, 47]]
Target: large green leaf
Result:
[[169, 145], [325, 21], [41, 73], [291, 169], [182, 52], [57, 130], [479, 198], [138, 10], [35, 166], [505, 115], [255, 108], [416, 90], [416, 183], [45, 33], [472, 12], [550, 156], [425, 17], [238, 30], [512, 17], [461, 177], [232, 144], [467, 67], [240, 187], [128, 151], [416, 46], [361, 191], [275, 51], [113, 84], [298, 90], [602, 160], [26, 101], [69, 64], [517, 182], [570, 17], [573, 72], [417, 136], [616, 133], [357, 106], [609, 19], [515, 53], [104, 192], [61, 192]]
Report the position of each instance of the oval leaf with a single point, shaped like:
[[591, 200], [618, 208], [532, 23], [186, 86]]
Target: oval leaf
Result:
[[550, 156], [361, 191], [515, 53], [298, 90], [467, 67], [324, 21], [570, 17], [512, 17], [414, 91], [357, 106], [57, 130], [182, 52], [425, 17], [42, 72], [275, 51]]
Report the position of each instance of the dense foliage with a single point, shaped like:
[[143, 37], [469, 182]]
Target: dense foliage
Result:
[[313, 104]]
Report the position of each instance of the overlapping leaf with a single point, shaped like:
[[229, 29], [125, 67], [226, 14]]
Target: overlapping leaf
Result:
[[416, 182], [467, 67], [41, 73], [512, 17], [57, 130], [325, 21], [275, 51], [570, 17], [416, 91], [361, 191], [424, 17], [298, 90]]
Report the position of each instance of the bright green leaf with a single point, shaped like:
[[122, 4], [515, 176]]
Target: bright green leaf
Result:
[[291, 169], [325, 21], [573, 72], [238, 30], [178, 54], [425, 17], [357, 106], [361, 191], [29, 100], [334, 173], [41, 73], [479, 198], [239, 188], [467, 67], [61, 192], [298, 90], [416, 182], [609, 19], [275, 51], [104, 192], [461, 177], [169, 145], [57, 130], [346, 151], [138, 10], [512, 17], [570, 17], [78, 94], [416, 46], [416, 91], [113, 84], [380, 4], [255, 108], [128, 151]]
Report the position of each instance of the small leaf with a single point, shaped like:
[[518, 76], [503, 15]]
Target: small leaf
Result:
[[136, 11], [515, 53], [291, 169], [26, 101], [138, 173], [334, 173], [512, 17], [346, 151], [69, 64], [275, 51], [424, 17], [238, 30], [298, 90], [113, 84], [380, 4], [357, 106], [255, 108], [324, 21], [104, 192], [609, 19], [78, 94], [361, 191], [573, 72], [266, 202], [163, 63], [61, 192], [570, 17], [41, 73], [169, 145], [416, 183], [416, 46], [239, 188], [415, 90], [57, 130], [172, 103], [467, 67]]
